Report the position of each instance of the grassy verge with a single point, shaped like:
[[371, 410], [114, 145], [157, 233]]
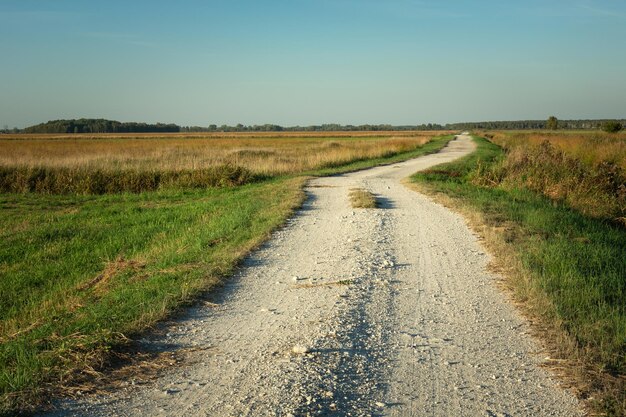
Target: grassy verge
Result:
[[566, 268], [78, 273], [81, 273]]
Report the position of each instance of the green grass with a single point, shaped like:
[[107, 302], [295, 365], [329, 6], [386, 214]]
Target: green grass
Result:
[[80, 273], [576, 262]]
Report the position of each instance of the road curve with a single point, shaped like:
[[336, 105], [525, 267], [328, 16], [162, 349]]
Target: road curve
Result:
[[353, 312]]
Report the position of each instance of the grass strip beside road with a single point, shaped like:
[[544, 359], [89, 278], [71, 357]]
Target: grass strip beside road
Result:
[[79, 274], [566, 268]]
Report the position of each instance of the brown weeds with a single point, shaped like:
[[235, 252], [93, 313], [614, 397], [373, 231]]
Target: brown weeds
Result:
[[591, 148], [361, 198], [587, 176], [112, 269], [324, 284]]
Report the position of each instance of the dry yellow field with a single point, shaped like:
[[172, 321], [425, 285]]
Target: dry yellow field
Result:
[[261, 153]]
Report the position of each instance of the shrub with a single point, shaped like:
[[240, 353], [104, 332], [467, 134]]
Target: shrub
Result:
[[612, 126]]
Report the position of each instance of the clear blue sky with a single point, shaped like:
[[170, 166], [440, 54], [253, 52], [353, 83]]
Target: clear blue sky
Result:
[[306, 62]]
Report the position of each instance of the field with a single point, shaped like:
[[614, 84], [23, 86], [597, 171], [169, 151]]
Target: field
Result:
[[81, 271], [260, 155], [134, 164], [552, 206]]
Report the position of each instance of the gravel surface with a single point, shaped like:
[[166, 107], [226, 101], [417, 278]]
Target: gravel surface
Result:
[[352, 312]]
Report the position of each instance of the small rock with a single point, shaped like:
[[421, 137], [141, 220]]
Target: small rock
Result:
[[379, 404], [300, 350], [171, 391]]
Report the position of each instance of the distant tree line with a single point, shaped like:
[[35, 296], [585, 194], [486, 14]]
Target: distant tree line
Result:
[[112, 126], [99, 126], [533, 124], [330, 127]]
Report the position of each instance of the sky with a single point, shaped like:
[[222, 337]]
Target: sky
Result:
[[303, 62]]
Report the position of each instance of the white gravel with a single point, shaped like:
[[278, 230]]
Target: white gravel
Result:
[[353, 312]]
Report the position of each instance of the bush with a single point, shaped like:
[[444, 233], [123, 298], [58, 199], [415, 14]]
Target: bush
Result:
[[612, 126]]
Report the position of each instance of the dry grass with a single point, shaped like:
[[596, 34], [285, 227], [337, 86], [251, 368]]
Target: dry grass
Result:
[[222, 135], [87, 180], [111, 269], [587, 171], [324, 284], [361, 198], [263, 154], [592, 148], [110, 164]]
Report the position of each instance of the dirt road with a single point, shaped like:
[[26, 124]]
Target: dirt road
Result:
[[354, 312]]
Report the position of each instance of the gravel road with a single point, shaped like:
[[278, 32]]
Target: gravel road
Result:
[[353, 312]]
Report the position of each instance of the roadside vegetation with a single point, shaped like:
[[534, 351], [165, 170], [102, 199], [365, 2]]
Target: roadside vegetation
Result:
[[361, 198], [84, 270], [584, 171], [551, 205]]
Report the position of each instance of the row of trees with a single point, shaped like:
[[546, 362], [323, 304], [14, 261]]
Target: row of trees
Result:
[[551, 123], [99, 126], [112, 126], [610, 126], [331, 127]]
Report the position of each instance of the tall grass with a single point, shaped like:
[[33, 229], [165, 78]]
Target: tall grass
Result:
[[106, 165], [586, 172], [84, 181], [591, 148], [268, 156]]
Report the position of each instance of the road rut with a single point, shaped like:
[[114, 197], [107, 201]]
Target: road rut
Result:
[[353, 312]]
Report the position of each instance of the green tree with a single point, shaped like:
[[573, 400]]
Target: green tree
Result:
[[552, 123], [612, 126]]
